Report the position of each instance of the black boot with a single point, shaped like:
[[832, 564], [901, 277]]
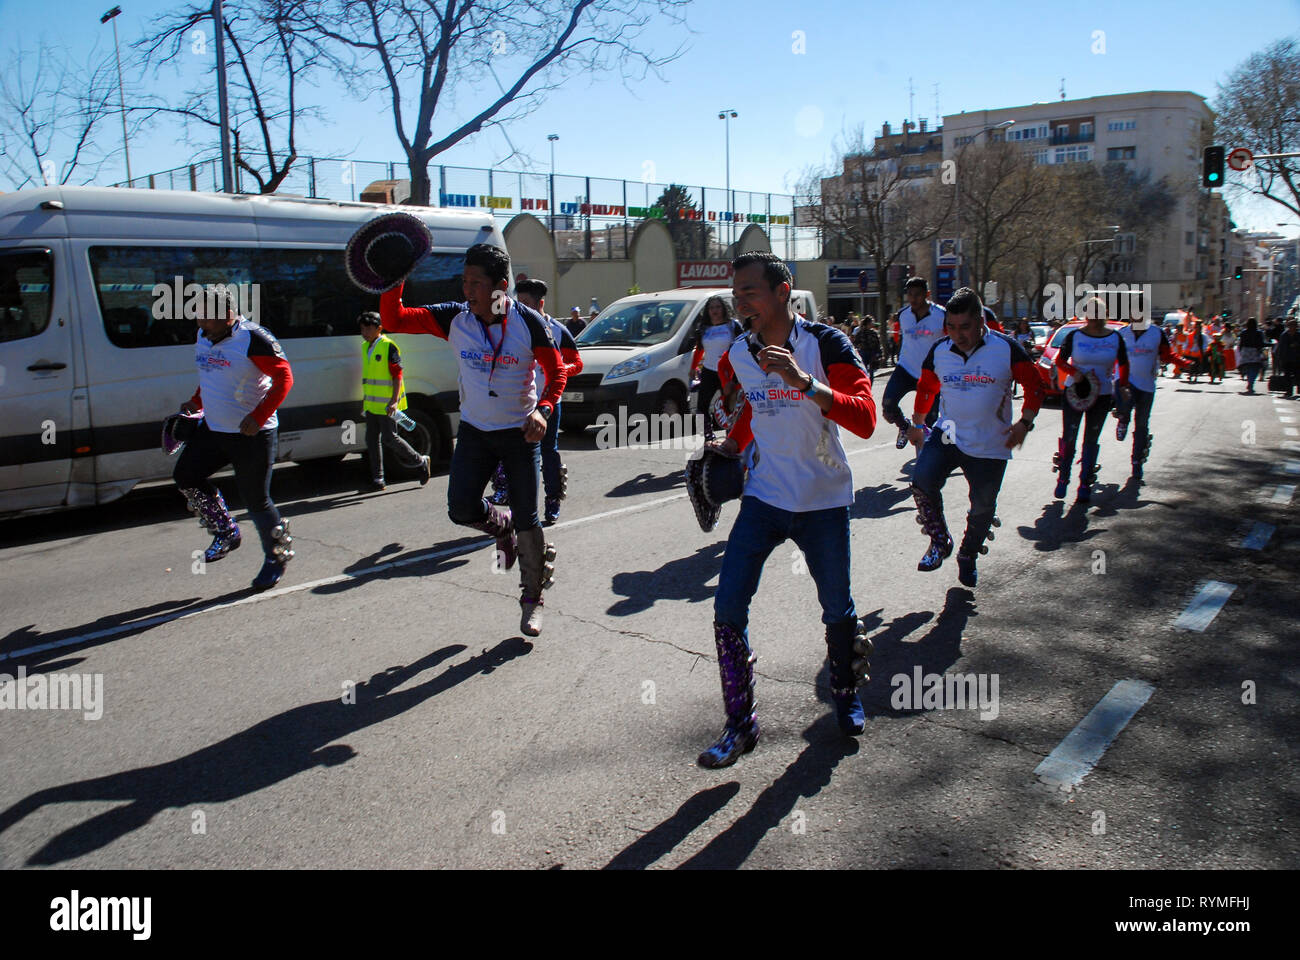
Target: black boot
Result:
[[1088, 470], [736, 666], [847, 649], [979, 527], [274, 533]]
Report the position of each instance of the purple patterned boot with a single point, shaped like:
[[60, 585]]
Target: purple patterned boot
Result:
[[736, 665], [500, 487], [216, 519], [929, 514]]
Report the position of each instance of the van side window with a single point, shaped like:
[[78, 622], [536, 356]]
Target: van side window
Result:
[[151, 296], [26, 289]]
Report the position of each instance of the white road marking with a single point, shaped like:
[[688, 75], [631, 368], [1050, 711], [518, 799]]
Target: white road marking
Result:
[[1283, 493], [1076, 755], [1258, 536], [1282, 419], [1291, 431], [1289, 467], [1210, 597], [311, 585]]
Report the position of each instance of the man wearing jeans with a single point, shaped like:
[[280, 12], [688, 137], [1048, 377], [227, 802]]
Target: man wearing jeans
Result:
[[800, 379], [243, 379], [497, 341], [972, 371]]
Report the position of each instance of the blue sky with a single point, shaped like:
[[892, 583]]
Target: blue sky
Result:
[[855, 67]]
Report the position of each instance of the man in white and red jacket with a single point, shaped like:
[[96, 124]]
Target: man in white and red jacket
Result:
[[801, 382], [243, 379], [503, 417]]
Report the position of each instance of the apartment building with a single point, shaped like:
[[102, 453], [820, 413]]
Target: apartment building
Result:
[[1162, 132]]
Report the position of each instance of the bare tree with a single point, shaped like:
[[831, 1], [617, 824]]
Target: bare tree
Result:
[[1001, 190], [49, 111], [1258, 108], [869, 198], [427, 52], [270, 56]]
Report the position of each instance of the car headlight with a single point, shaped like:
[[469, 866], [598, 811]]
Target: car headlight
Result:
[[635, 365]]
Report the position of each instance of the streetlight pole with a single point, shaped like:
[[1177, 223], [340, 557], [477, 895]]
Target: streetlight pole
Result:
[[223, 108], [121, 97], [552, 137], [726, 115]]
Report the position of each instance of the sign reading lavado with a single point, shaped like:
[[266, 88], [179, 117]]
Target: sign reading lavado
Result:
[[704, 273]]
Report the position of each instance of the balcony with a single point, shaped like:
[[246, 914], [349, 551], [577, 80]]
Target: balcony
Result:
[[1060, 141]]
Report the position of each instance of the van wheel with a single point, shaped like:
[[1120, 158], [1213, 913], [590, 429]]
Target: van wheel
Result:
[[427, 438], [672, 400]]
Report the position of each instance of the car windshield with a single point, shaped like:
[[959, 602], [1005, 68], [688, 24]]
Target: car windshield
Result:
[[640, 323]]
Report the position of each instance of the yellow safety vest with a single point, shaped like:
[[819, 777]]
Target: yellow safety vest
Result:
[[376, 381]]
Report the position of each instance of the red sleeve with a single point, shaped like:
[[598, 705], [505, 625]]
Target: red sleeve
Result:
[[696, 357], [395, 371], [277, 368], [1024, 373], [196, 399], [554, 371], [852, 406], [742, 431], [572, 361], [1066, 365], [399, 319], [927, 388], [1167, 355]]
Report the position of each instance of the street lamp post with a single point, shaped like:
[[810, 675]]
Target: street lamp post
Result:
[[121, 97], [552, 137], [726, 115]]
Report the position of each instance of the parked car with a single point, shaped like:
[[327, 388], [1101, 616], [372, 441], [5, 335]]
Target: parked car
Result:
[[1053, 378], [636, 354]]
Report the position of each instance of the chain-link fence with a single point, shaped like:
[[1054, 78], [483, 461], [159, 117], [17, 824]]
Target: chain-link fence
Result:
[[590, 218]]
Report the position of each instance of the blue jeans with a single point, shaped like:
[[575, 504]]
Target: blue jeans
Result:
[[252, 457], [822, 536], [475, 458], [551, 455], [1141, 409], [936, 462], [899, 385]]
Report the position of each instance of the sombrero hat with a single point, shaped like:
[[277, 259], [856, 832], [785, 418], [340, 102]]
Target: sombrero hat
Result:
[[384, 251], [177, 429], [1083, 392], [711, 480]]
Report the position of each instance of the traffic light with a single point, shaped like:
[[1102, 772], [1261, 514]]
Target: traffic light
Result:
[[1237, 275], [1212, 167]]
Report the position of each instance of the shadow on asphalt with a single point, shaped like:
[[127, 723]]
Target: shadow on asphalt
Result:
[[665, 837], [880, 501], [685, 578], [649, 483], [267, 753], [298, 489]]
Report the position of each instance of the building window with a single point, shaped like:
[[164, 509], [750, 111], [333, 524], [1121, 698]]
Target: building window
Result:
[[1073, 154], [1187, 266], [1118, 126], [1085, 129], [1188, 238], [1121, 153], [1040, 156]]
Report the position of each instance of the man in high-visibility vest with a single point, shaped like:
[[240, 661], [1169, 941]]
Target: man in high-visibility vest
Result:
[[383, 394]]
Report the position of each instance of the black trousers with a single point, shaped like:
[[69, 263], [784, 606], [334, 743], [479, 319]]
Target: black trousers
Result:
[[252, 457], [380, 427]]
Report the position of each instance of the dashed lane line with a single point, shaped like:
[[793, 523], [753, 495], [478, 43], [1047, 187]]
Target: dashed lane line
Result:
[[1210, 597], [1076, 755]]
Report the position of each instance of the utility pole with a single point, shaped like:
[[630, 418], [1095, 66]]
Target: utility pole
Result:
[[223, 107], [121, 97]]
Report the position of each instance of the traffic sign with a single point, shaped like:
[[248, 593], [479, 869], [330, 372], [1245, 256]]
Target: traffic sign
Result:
[[1240, 159]]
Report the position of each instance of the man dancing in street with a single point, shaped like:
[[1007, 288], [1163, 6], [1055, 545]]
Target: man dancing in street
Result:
[[502, 420], [801, 379], [1148, 350], [243, 379], [920, 325], [972, 371]]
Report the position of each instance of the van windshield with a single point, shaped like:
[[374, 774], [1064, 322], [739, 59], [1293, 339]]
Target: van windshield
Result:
[[640, 324]]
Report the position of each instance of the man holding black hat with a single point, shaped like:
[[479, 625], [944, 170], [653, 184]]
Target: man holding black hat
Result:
[[503, 419], [800, 380]]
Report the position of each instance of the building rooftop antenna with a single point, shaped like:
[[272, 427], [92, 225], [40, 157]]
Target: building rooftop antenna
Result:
[[1063, 88]]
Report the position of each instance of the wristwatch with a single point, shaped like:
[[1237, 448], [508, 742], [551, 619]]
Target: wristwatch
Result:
[[812, 381], [545, 412], [1029, 424]]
